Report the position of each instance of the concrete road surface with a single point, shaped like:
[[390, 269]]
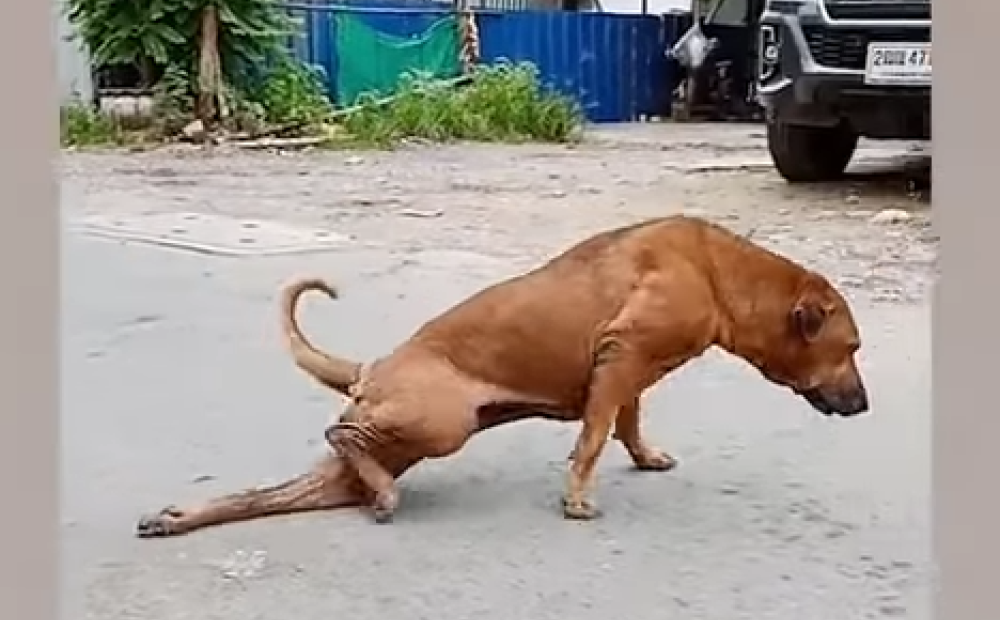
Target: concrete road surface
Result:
[[176, 387]]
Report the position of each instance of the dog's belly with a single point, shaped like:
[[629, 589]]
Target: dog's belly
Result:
[[496, 414]]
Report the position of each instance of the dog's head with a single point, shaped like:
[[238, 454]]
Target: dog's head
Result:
[[816, 355]]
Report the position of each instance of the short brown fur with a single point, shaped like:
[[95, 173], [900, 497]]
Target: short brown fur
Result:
[[579, 338]]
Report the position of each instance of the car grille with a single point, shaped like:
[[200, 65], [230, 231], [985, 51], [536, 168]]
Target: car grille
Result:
[[878, 9], [845, 48]]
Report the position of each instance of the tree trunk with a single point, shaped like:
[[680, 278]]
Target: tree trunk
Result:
[[209, 68]]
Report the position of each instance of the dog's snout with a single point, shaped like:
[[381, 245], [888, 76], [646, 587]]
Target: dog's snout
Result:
[[857, 402], [852, 399], [847, 403]]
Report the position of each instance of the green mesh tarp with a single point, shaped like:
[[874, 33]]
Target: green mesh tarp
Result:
[[372, 62]]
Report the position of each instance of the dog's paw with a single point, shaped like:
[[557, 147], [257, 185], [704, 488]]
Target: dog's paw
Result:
[[579, 510], [384, 507], [382, 516], [160, 525], [655, 460]]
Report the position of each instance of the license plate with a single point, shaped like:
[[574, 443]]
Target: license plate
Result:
[[898, 64]]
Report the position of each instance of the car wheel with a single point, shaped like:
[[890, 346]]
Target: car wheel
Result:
[[804, 154]]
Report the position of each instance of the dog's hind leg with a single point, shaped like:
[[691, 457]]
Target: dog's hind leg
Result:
[[332, 483], [381, 442], [629, 433], [354, 441]]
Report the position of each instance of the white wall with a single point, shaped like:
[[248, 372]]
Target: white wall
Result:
[[656, 7], [73, 67], [732, 12]]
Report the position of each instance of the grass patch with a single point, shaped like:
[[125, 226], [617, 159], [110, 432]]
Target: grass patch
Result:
[[501, 103], [84, 125]]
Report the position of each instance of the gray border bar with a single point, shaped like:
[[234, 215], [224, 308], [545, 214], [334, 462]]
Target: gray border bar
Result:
[[28, 314], [966, 323]]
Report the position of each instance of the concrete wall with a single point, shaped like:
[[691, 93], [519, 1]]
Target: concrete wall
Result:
[[73, 66]]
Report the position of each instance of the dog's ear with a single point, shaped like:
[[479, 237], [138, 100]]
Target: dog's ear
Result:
[[808, 317]]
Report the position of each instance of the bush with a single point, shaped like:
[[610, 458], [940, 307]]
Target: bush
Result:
[[501, 103], [293, 92], [83, 125], [173, 100]]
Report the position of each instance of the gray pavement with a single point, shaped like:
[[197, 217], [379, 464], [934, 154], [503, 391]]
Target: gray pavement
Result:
[[176, 387]]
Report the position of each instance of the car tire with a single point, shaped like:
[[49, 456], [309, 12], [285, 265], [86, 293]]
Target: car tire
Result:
[[804, 154]]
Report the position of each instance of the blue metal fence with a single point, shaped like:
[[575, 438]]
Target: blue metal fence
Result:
[[612, 64]]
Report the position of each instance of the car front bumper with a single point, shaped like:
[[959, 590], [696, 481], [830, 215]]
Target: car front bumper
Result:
[[814, 72]]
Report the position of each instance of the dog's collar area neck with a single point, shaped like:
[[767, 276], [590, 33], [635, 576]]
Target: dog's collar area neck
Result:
[[728, 338], [751, 323], [752, 350], [738, 308]]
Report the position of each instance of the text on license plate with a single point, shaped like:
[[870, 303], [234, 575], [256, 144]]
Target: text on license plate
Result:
[[898, 63]]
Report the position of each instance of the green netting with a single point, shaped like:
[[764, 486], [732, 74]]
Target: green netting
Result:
[[372, 62]]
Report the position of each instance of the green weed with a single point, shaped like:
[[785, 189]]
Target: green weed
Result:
[[293, 92], [500, 103], [81, 124]]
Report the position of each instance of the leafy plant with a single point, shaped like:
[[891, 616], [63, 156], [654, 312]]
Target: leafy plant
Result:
[[155, 34], [142, 33], [173, 99], [246, 114], [502, 103], [252, 32], [293, 92], [81, 124]]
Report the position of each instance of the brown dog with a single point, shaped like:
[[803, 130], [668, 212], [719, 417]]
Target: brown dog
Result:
[[579, 338]]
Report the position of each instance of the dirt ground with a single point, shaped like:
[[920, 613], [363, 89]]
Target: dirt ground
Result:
[[520, 204]]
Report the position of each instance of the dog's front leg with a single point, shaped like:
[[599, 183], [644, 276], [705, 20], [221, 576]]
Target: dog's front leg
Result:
[[578, 502], [613, 386], [628, 432]]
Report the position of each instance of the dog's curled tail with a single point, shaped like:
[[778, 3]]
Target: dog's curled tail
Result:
[[334, 372]]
